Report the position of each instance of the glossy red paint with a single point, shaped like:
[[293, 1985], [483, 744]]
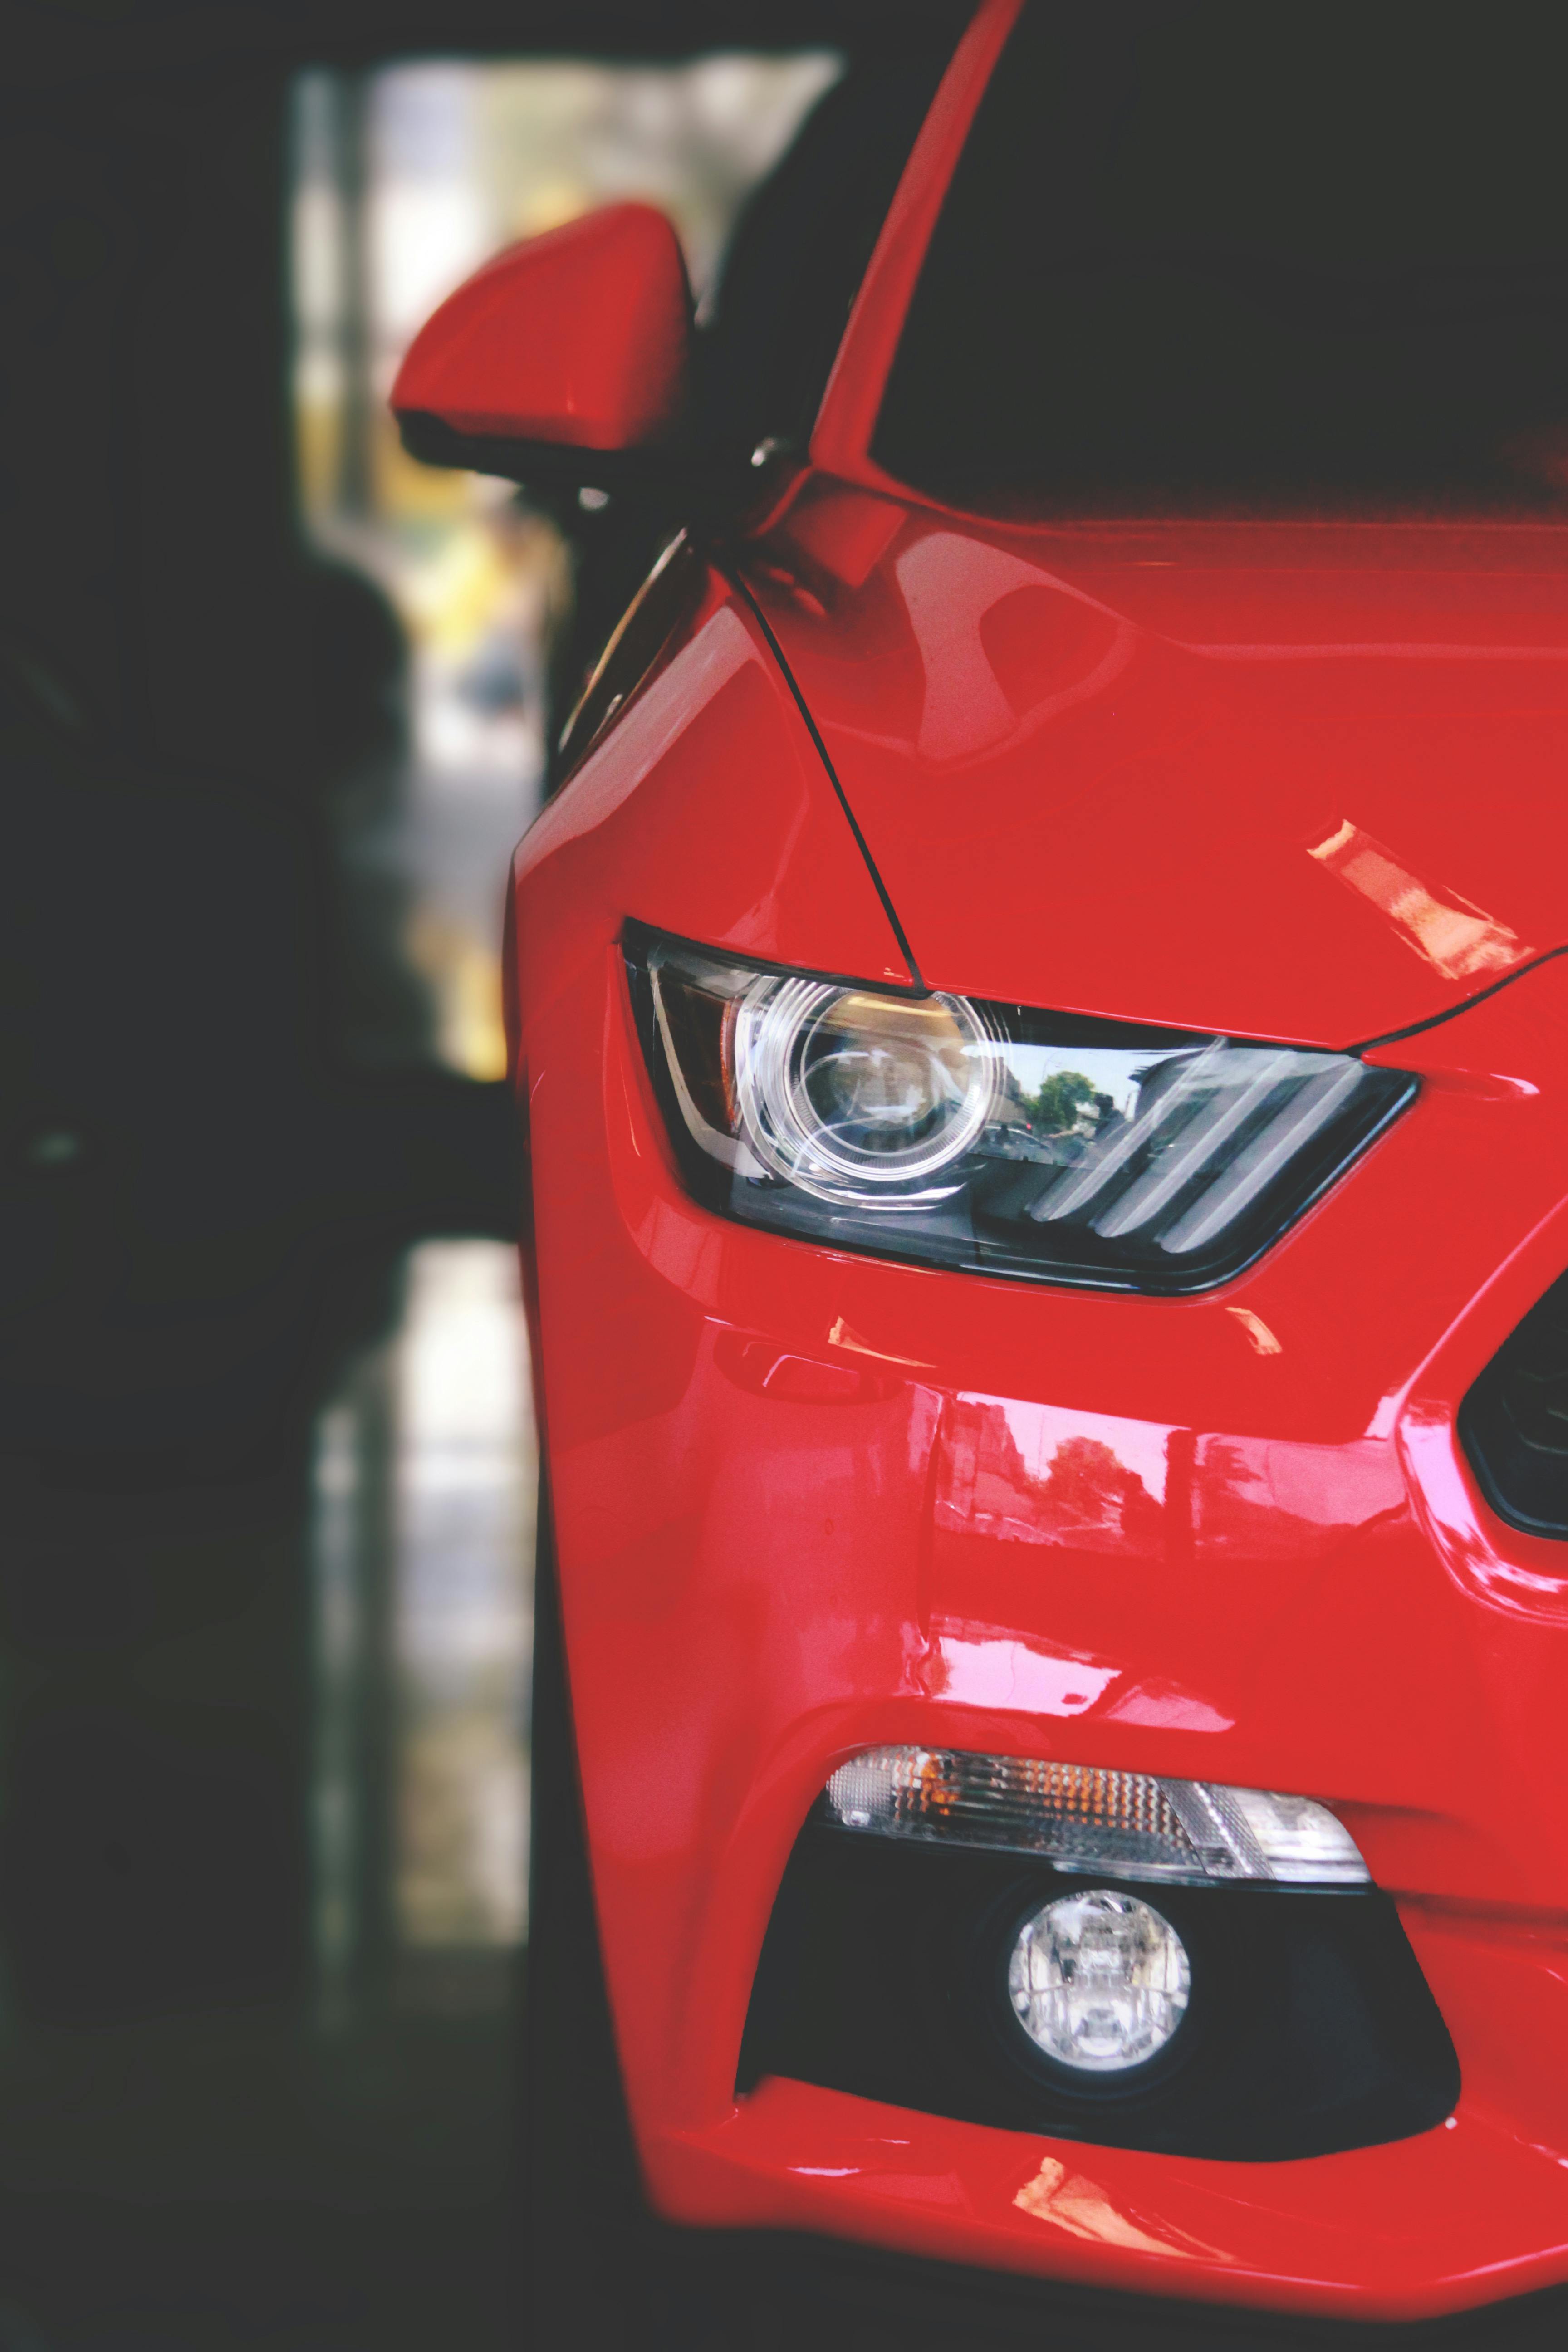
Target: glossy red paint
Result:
[[1297, 783], [1260, 2234], [765, 871], [579, 337], [808, 1502]]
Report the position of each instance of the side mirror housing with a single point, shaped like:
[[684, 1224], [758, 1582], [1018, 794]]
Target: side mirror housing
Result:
[[562, 362]]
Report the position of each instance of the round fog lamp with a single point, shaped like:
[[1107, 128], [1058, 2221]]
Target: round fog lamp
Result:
[[1099, 1981]]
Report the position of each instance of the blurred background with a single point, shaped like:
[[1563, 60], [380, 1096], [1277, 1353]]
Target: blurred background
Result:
[[275, 705], [404, 180]]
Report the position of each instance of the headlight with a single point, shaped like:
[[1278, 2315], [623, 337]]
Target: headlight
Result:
[[989, 1136]]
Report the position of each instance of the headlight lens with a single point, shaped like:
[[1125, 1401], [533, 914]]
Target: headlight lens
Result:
[[860, 1099], [991, 1135]]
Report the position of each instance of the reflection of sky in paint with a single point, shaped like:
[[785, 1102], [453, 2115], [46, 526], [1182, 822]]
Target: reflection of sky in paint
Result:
[[1039, 1429], [1007, 1670], [1455, 937]]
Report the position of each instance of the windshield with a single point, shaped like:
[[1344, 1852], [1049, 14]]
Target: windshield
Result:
[[1213, 254]]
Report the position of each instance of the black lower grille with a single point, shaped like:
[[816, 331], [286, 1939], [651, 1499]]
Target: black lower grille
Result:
[[1310, 2027]]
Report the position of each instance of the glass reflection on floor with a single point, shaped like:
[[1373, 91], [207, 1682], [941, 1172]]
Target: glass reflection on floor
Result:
[[423, 1495], [263, 1861]]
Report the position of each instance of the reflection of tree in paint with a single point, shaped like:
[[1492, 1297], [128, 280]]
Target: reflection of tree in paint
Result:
[[1088, 1482], [1086, 1495]]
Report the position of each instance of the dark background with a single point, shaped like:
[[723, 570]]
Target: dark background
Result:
[[263, 1434]]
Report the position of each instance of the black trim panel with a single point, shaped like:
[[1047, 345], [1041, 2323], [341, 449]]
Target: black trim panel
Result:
[[1513, 1424], [1310, 2029]]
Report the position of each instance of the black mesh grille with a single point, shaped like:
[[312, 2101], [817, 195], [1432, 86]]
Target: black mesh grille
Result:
[[1514, 1422]]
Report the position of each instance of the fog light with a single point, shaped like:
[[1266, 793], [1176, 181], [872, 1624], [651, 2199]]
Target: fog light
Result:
[[1099, 1981]]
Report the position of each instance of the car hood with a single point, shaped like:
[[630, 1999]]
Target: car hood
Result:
[[1302, 782]]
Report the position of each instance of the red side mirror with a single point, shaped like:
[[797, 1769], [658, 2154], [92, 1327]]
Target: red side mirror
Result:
[[578, 340]]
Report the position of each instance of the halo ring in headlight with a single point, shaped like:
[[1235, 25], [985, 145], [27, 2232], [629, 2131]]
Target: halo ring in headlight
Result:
[[857, 1096]]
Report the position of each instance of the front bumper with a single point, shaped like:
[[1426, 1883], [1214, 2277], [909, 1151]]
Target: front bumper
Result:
[[806, 1504]]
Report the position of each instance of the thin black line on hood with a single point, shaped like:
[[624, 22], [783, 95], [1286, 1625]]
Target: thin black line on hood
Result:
[[738, 584], [1366, 1046], [1436, 1020]]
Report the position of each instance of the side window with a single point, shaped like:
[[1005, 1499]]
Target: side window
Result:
[[800, 250]]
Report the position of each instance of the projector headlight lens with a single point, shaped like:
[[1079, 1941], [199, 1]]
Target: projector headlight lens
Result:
[[855, 1098], [1099, 1981], [991, 1136]]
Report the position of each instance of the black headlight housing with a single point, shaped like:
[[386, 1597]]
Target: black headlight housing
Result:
[[996, 1138]]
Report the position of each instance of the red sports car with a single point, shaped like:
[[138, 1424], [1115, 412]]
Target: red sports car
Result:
[[1039, 1021]]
